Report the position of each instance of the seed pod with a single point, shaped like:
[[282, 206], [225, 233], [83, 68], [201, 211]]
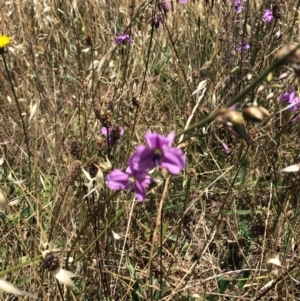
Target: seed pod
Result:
[[74, 148], [73, 172], [50, 261], [276, 10], [104, 116]]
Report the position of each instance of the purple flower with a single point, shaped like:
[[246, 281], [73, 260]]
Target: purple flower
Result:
[[129, 180], [291, 99], [114, 134], [122, 38], [245, 46], [183, 1], [158, 153], [268, 15], [237, 6]]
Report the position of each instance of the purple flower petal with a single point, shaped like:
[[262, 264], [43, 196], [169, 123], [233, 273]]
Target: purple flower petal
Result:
[[129, 180], [155, 140], [291, 98], [284, 97], [122, 38], [142, 159], [238, 6], [242, 45], [140, 188], [173, 160], [117, 179], [159, 153], [104, 131], [268, 15]]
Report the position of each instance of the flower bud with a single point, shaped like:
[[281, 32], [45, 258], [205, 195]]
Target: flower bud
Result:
[[232, 116], [254, 113], [50, 261], [260, 89], [270, 95], [283, 76]]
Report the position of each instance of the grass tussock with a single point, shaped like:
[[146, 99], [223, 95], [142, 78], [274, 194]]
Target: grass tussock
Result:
[[81, 84]]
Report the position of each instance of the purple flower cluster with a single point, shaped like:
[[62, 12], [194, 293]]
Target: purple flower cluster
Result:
[[123, 38], [291, 99], [268, 15], [158, 153], [238, 6], [245, 46]]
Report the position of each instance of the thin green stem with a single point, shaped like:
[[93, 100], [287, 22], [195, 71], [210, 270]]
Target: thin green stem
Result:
[[242, 94]]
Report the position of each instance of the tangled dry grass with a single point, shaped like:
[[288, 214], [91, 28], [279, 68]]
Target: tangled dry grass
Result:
[[206, 234]]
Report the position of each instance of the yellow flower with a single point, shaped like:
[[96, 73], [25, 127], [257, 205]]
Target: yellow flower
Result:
[[4, 40]]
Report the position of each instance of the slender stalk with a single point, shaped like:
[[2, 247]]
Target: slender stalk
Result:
[[242, 94], [19, 111]]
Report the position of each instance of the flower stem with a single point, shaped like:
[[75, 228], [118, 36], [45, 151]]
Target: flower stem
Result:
[[19, 111]]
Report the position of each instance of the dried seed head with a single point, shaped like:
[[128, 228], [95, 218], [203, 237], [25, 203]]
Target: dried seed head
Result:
[[92, 168], [100, 144], [50, 261], [73, 172], [115, 134], [74, 148], [135, 102], [276, 10], [104, 116], [192, 172]]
